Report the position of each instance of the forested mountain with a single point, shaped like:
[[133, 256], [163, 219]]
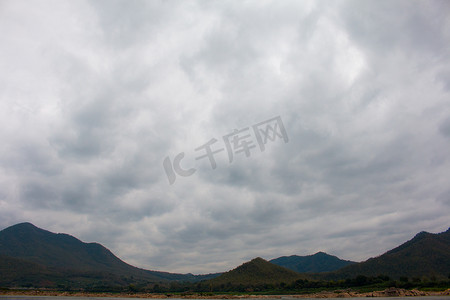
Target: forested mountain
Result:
[[35, 257], [316, 263], [256, 272], [427, 254]]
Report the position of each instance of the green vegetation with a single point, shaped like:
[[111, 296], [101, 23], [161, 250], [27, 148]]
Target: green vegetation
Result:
[[301, 286]]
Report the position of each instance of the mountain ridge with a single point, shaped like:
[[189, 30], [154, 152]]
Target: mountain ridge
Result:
[[315, 263], [31, 256], [60, 255], [256, 272], [59, 250], [426, 254]]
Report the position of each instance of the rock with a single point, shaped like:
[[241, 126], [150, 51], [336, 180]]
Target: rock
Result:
[[343, 295]]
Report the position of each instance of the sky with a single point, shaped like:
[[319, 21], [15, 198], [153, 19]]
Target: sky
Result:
[[192, 136]]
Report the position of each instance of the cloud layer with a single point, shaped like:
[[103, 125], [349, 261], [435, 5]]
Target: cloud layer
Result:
[[94, 95]]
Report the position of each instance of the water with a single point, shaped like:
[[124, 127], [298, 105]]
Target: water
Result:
[[282, 298]]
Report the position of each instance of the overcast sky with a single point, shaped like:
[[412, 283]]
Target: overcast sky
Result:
[[96, 95]]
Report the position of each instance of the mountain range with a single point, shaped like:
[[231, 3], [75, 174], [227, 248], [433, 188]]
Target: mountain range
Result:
[[34, 257]]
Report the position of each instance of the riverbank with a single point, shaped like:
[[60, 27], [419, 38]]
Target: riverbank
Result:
[[390, 292]]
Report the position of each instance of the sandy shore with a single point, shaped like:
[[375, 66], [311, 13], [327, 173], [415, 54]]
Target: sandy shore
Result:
[[390, 292]]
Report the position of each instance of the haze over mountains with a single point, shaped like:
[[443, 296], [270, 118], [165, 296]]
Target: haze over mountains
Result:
[[30, 256]]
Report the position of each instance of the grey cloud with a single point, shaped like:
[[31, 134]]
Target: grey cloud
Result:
[[360, 87], [381, 28], [444, 127], [444, 77], [126, 24], [32, 157], [39, 195]]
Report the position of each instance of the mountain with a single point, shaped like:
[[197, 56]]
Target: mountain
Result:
[[256, 272], [319, 262], [427, 254], [19, 272], [30, 243], [46, 258]]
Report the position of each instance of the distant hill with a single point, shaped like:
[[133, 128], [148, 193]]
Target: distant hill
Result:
[[316, 263], [427, 254], [256, 272], [33, 256]]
